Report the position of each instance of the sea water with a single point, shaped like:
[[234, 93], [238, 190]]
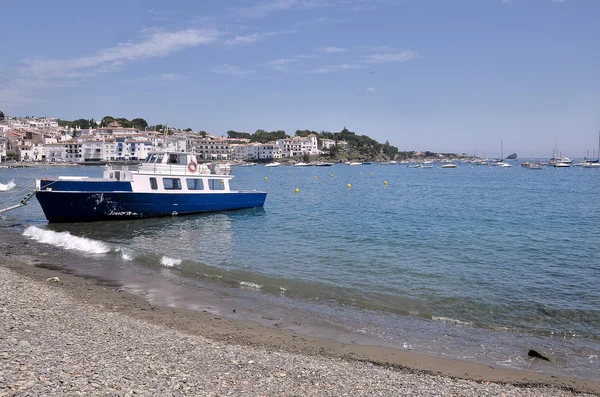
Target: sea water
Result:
[[480, 263]]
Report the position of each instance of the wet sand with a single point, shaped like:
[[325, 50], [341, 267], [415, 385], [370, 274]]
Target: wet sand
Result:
[[109, 298]]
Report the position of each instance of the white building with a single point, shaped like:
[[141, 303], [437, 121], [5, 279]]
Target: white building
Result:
[[92, 150], [31, 152], [212, 149], [3, 146], [56, 152], [326, 143], [296, 146], [255, 151], [137, 149]]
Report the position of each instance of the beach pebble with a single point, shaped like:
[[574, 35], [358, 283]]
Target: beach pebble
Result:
[[83, 349]]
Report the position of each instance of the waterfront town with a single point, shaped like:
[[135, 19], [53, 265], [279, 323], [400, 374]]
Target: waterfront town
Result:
[[42, 139]]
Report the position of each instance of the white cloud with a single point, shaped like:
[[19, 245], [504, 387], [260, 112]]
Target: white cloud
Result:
[[370, 89], [401, 56], [331, 49], [335, 68], [170, 77], [254, 37], [233, 70], [40, 73], [262, 9], [558, 1], [157, 45]]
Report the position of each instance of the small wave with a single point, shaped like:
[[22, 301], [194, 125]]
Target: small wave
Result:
[[250, 285], [9, 186], [450, 320], [169, 262], [126, 255], [66, 240]]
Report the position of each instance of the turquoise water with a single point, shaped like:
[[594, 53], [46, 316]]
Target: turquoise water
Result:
[[459, 261]]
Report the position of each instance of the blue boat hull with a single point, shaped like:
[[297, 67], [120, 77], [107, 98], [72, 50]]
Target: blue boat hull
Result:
[[72, 206]]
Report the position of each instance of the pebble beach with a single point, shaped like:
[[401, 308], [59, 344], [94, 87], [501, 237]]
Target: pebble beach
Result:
[[75, 337]]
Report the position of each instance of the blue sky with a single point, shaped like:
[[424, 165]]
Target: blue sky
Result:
[[440, 75]]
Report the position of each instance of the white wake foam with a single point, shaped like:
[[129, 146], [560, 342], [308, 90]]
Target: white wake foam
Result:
[[66, 240], [9, 186], [169, 262], [126, 254], [250, 285], [448, 320]]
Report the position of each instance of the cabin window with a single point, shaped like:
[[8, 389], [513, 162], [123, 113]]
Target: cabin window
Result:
[[153, 184], [194, 184], [216, 184], [175, 158], [159, 159], [172, 183]]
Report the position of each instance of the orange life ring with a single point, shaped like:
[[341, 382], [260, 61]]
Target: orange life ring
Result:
[[192, 166]]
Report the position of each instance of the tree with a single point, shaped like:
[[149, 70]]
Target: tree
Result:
[[238, 135], [124, 122], [1, 115], [305, 133], [106, 120], [80, 123], [139, 124]]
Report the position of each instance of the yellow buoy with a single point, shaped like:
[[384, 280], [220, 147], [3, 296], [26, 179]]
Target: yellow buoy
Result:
[[349, 186], [384, 183], [296, 190], [270, 170], [361, 172], [370, 173], [266, 178], [289, 171], [315, 177], [331, 175]]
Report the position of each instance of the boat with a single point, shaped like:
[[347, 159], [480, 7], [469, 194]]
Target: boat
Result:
[[449, 165], [592, 163], [275, 164], [247, 165], [167, 183], [355, 163], [302, 164], [323, 164], [561, 164], [532, 166], [367, 163]]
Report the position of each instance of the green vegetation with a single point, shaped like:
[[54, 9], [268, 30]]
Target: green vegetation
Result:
[[1, 115]]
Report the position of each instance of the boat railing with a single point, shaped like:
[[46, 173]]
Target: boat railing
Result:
[[181, 169]]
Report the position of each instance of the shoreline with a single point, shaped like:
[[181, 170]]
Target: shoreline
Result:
[[90, 291]]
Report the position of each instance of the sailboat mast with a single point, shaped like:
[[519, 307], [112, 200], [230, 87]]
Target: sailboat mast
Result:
[[501, 150]]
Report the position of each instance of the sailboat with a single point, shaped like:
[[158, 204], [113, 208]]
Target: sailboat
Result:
[[557, 160], [593, 163], [501, 163]]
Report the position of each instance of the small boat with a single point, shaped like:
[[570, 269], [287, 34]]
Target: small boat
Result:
[[449, 165], [275, 164], [355, 163], [532, 166], [562, 165], [247, 165], [301, 164], [167, 183], [367, 163], [323, 164]]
